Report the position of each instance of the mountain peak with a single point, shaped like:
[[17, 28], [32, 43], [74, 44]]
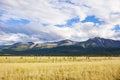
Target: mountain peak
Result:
[[23, 43], [101, 42], [65, 42], [96, 38], [99, 39]]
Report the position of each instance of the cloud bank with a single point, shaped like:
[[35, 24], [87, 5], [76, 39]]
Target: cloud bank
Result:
[[50, 20]]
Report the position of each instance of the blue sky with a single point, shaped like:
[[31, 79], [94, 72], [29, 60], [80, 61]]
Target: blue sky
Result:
[[51, 20], [17, 22], [68, 23], [117, 28], [91, 18], [1, 12]]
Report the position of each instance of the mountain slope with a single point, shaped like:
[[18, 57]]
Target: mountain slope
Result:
[[100, 42], [95, 46]]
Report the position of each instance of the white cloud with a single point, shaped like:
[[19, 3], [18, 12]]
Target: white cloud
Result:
[[39, 10], [54, 12]]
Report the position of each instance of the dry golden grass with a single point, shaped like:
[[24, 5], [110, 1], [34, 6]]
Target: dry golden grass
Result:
[[59, 68]]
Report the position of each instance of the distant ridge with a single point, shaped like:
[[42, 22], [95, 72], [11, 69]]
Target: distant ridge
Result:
[[93, 46], [100, 42]]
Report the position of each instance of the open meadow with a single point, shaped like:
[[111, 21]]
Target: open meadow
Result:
[[59, 68]]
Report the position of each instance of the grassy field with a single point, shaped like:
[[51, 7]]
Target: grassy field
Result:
[[59, 68]]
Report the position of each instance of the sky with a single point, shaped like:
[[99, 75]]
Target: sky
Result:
[[52, 20]]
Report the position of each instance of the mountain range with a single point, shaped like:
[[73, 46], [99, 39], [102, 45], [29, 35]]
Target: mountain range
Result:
[[92, 47]]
